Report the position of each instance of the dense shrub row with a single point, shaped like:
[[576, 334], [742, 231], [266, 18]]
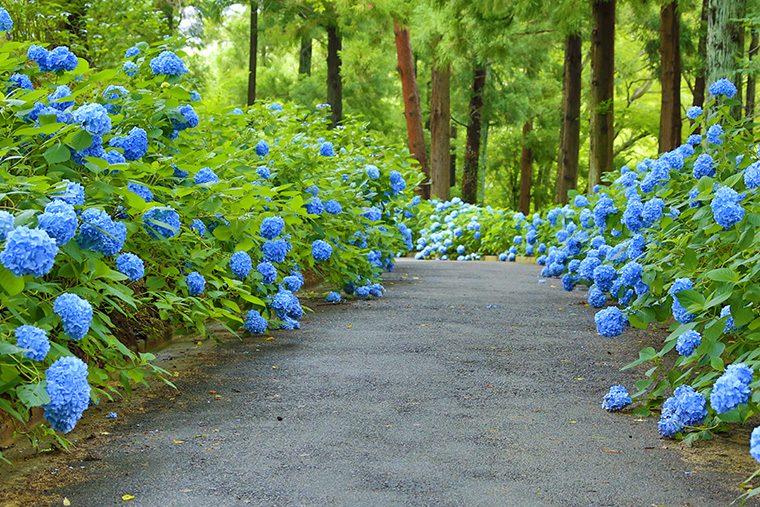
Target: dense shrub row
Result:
[[672, 241], [122, 200]]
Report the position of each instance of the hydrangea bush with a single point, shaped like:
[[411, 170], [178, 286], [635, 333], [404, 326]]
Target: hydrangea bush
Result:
[[119, 193], [672, 242]]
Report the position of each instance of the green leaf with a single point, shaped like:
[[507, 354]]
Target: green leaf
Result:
[[645, 354], [722, 275], [11, 283], [79, 140], [691, 300], [57, 153], [33, 395], [8, 349]]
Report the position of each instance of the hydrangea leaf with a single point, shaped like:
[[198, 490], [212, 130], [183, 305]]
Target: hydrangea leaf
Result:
[[57, 153], [10, 283], [33, 395]]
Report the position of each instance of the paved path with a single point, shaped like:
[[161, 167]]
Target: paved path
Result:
[[468, 384]]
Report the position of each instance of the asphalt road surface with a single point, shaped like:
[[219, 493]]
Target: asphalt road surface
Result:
[[469, 384]]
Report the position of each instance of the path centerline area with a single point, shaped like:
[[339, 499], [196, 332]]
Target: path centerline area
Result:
[[468, 384]]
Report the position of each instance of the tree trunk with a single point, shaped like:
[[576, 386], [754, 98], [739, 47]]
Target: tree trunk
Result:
[[699, 82], [304, 56], [334, 82], [253, 51], [483, 161], [752, 53], [453, 158], [725, 42], [412, 109], [472, 148], [602, 89], [570, 129], [670, 78], [526, 169], [440, 132]]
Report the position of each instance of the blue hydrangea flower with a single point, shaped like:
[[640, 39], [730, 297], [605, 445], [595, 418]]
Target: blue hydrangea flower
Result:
[[603, 208], [714, 133], [723, 87], [271, 227], [38, 55], [134, 144], [333, 207], [362, 292], [617, 398], [688, 342], [133, 51], [372, 172], [131, 265], [195, 96], [398, 184], [33, 339], [704, 165], [726, 209], [59, 220], [327, 150], [604, 275], [596, 298], [94, 150], [99, 233], [694, 112], [205, 175], [185, 117], [568, 280], [632, 215], [179, 173], [6, 224], [75, 313], [752, 176], [69, 393], [94, 118], [690, 407], [263, 171], [313, 190], [196, 284], [241, 264], [268, 272], [168, 64], [610, 322], [286, 305], [161, 221], [21, 81], [237, 111], [754, 443], [114, 157], [731, 390], [730, 327], [129, 68], [669, 424], [56, 98], [293, 283], [140, 190], [679, 312], [321, 250], [631, 273], [59, 59], [255, 323], [694, 139], [29, 252], [333, 297], [6, 22], [741, 371], [276, 250], [580, 201], [652, 211], [315, 206], [373, 214], [262, 148], [274, 106]]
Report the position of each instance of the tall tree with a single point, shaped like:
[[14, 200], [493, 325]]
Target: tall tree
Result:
[[304, 55], [699, 82], [440, 131], [602, 89], [570, 128], [670, 77], [752, 54], [725, 42], [526, 168], [412, 109], [253, 46], [472, 147], [334, 80]]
